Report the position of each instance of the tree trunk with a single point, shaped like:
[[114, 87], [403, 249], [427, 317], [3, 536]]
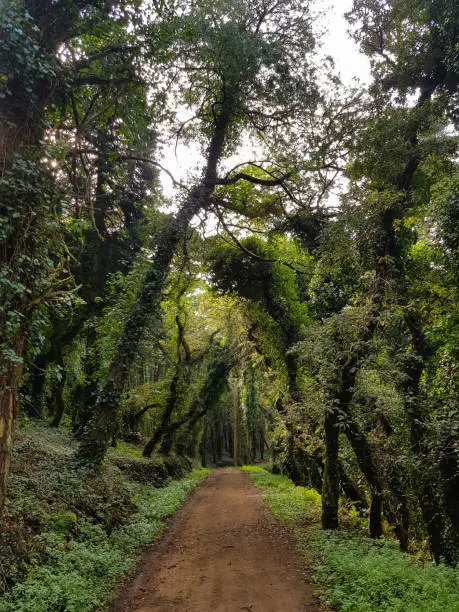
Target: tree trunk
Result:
[[449, 468], [167, 443], [330, 487], [230, 440], [165, 419], [430, 507], [219, 436], [236, 431], [34, 407], [352, 490], [203, 446], [253, 449], [8, 394], [364, 456], [59, 404], [98, 433]]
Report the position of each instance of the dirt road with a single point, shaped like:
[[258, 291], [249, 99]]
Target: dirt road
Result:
[[222, 553]]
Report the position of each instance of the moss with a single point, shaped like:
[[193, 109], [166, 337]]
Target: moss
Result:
[[70, 533], [150, 471]]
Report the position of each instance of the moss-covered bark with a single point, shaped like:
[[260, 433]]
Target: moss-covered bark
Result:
[[364, 456], [99, 430], [330, 485]]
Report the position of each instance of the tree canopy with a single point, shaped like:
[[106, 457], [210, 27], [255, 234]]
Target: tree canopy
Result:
[[299, 305]]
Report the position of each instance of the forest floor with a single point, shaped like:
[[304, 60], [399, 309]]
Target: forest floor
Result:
[[222, 553]]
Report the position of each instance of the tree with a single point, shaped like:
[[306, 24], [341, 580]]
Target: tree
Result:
[[32, 33], [233, 91]]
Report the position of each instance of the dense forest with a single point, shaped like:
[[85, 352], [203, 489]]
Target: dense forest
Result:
[[292, 299]]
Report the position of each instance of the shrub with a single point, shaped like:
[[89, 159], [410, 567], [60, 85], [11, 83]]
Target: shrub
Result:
[[70, 533], [148, 471], [177, 465], [361, 575]]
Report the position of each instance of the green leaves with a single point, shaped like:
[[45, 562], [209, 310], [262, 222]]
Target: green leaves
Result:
[[361, 575]]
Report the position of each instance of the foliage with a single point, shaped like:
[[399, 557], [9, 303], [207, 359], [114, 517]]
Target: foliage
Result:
[[84, 531], [361, 575], [287, 502]]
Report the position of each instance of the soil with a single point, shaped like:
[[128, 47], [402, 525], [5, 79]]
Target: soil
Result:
[[221, 553]]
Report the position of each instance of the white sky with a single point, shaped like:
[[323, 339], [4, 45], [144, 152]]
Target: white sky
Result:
[[349, 63]]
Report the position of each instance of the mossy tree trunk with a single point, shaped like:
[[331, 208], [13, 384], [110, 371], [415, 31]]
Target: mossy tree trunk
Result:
[[351, 489], [330, 486], [166, 416], [203, 446], [364, 455], [99, 431], [8, 398], [237, 424], [262, 445], [428, 496]]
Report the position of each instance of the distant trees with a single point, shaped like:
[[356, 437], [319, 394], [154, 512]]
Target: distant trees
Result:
[[236, 75]]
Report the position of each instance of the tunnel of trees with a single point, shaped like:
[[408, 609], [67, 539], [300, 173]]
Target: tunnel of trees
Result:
[[299, 306]]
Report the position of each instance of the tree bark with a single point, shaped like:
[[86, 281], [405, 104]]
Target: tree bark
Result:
[[8, 395], [330, 487], [59, 404], [352, 490], [203, 446], [167, 443], [98, 433], [262, 445], [168, 410], [364, 456]]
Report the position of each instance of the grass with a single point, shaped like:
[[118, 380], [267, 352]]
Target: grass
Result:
[[361, 575], [287, 502], [354, 573], [81, 531], [123, 449]]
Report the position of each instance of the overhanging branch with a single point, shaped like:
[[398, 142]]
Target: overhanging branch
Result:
[[242, 176]]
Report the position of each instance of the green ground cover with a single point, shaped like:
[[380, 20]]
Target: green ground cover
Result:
[[355, 573], [76, 532]]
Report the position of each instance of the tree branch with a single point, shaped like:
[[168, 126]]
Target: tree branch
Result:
[[242, 176], [247, 251]]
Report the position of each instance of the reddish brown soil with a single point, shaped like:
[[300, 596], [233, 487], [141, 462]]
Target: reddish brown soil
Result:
[[221, 553]]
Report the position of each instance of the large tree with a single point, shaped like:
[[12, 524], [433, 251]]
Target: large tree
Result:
[[241, 68], [52, 55]]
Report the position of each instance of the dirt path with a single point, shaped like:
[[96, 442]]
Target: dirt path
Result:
[[222, 553]]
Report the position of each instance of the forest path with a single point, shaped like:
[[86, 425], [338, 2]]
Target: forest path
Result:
[[222, 553]]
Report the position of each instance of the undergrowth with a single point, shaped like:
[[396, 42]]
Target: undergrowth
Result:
[[355, 573], [81, 531], [287, 502], [361, 575]]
